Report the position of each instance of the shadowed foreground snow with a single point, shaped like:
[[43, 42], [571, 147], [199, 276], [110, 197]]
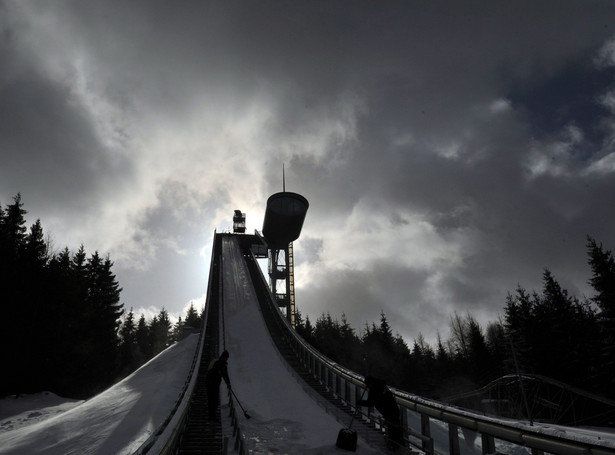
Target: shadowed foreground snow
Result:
[[116, 421]]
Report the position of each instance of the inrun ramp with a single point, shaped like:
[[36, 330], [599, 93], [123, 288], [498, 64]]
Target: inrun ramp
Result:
[[287, 414]]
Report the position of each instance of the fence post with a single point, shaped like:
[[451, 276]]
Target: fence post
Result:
[[488, 443], [453, 439]]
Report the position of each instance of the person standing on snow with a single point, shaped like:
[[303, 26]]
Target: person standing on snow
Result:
[[383, 400], [217, 371]]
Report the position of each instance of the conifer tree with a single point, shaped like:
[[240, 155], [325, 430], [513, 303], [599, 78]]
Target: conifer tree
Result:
[[304, 328], [603, 281], [78, 262], [63, 260], [14, 229], [480, 360], [143, 338], [192, 317], [177, 330], [101, 313], [309, 329], [159, 332], [520, 326], [495, 338], [551, 332], [14, 285], [35, 248], [129, 358]]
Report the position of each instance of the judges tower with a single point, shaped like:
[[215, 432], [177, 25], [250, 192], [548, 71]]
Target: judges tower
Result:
[[284, 218]]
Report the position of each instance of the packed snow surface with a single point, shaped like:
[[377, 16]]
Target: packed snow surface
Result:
[[117, 421], [285, 418]]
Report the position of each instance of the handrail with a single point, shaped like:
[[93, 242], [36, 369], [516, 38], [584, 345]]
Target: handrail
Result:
[[181, 404], [340, 381]]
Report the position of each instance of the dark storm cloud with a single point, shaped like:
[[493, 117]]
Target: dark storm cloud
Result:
[[449, 151], [49, 147]]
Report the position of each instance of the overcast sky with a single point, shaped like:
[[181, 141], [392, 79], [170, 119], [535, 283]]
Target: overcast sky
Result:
[[449, 150]]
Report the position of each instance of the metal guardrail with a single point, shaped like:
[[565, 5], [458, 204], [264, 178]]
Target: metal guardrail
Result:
[[177, 415], [179, 408], [239, 440], [423, 420]]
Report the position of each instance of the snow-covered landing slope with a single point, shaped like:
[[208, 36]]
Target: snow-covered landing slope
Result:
[[117, 421], [285, 419]]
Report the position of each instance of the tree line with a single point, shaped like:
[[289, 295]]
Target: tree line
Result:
[[65, 329], [550, 333]]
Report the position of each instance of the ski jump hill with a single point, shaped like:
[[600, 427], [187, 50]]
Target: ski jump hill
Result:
[[295, 400], [288, 398]]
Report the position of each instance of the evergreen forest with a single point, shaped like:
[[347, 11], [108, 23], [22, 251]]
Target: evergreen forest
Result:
[[64, 328], [548, 332]]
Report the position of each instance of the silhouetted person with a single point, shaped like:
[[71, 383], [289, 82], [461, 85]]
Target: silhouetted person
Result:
[[383, 400], [215, 373]]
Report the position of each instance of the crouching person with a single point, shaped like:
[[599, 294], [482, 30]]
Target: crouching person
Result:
[[383, 400], [218, 370]]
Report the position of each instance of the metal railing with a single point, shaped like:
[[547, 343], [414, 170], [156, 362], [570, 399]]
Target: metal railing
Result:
[[166, 435], [437, 428], [432, 427]]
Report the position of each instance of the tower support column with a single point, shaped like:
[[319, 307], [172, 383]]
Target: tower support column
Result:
[[281, 280]]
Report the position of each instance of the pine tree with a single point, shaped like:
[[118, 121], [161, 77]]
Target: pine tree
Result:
[[603, 282], [63, 260], [520, 328], [192, 318], [71, 343], [309, 329], [480, 360], [159, 332], [495, 338], [144, 339], [101, 311], [78, 262], [129, 355], [304, 328], [379, 348], [551, 332], [35, 248], [177, 330], [14, 229], [14, 288], [560, 348]]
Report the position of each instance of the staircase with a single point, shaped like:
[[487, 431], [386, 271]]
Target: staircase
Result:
[[200, 435]]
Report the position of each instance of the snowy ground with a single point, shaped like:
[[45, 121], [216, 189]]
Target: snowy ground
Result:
[[17, 412], [116, 421]]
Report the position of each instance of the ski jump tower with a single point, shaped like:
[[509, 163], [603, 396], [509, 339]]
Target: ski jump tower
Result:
[[284, 218]]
